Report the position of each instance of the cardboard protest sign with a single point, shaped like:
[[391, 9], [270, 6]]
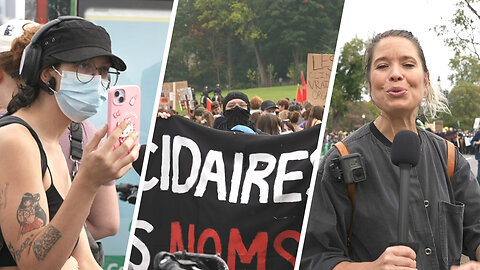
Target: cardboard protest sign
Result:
[[239, 195], [171, 91], [319, 67]]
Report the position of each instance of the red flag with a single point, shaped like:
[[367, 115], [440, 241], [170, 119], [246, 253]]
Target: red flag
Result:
[[42, 11], [304, 85], [209, 104], [299, 94]]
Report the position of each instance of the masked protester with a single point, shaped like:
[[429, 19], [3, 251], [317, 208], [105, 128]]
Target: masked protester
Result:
[[236, 111], [65, 73]]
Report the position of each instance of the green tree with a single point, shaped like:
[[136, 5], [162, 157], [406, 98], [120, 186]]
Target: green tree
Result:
[[295, 28], [461, 32], [349, 80], [217, 41], [465, 69], [244, 19], [463, 100], [301, 27], [180, 56], [359, 113], [214, 18]]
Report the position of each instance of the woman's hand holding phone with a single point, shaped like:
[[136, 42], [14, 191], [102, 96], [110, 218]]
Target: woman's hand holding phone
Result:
[[124, 104], [103, 164]]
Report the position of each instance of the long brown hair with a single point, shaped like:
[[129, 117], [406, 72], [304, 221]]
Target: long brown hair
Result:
[[316, 112], [269, 123]]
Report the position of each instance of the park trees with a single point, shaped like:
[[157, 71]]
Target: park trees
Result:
[[349, 81], [464, 100], [461, 34], [217, 41]]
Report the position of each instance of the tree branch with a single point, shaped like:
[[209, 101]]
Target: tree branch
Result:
[[472, 9]]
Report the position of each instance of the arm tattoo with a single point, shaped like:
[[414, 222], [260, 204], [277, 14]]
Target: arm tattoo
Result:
[[16, 254], [30, 214], [3, 196], [43, 244]]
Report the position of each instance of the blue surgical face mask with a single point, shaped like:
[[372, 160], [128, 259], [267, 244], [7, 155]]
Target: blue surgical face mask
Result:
[[78, 100]]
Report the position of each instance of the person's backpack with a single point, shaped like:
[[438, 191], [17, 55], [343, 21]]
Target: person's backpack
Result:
[[76, 152], [343, 150]]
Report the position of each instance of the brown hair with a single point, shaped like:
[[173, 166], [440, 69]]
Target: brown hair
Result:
[[208, 116], [284, 103], [315, 113], [295, 116], [284, 114], [269, 123], [254, 117], [10, 60], [255, 103]]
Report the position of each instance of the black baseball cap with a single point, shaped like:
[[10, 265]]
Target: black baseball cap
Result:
[[77, 40], [268, 104]]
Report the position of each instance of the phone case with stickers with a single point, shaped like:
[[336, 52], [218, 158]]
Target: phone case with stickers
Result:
[[124, 103]]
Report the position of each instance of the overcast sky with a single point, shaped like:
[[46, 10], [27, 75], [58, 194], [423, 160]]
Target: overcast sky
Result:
[[365, 18]]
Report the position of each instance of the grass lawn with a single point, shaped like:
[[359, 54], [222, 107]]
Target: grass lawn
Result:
[[266, 93], [270, 93]]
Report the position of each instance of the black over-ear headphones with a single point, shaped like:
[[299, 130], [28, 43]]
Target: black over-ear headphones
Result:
[[32, 54]]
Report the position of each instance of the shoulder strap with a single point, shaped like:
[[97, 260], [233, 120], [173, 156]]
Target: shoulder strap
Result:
[[10, 119], [343, 150], [76, 149], [451, 155]]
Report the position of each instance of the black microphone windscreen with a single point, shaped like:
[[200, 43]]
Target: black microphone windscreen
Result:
[[137, 164], [405, 148]]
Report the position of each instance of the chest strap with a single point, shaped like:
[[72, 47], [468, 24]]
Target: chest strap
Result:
[[450, 159], [76, 149], [343, 150]]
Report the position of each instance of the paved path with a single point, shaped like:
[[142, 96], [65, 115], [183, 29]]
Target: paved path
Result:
[[473, 163]]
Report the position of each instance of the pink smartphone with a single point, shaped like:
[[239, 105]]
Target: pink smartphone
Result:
[[124, 103]]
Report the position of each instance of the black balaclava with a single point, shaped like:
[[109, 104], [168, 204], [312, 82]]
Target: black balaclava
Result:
[[237, 115]]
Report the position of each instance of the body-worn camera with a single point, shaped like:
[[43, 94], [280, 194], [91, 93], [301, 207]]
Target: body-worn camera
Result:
[[349, 168]]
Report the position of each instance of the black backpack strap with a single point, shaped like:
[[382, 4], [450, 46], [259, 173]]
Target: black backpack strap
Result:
[[10, 119], [76, 148]]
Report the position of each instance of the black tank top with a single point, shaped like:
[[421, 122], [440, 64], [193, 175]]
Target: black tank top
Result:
[[53, 197]]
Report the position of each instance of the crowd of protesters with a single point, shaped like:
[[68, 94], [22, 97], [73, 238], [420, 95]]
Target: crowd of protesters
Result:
[[460, 138], [260, 116]]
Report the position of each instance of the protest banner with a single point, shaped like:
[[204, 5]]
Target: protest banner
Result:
[[319, 68], [238, 195]]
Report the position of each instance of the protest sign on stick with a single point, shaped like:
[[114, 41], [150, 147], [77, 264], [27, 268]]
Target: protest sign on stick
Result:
[[319, 68]]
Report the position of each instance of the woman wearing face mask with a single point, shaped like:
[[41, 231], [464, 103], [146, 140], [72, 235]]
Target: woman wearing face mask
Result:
[[67, 69], [104, 217]]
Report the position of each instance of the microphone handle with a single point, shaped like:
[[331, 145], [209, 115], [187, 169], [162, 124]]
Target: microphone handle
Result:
[[403, 203]]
